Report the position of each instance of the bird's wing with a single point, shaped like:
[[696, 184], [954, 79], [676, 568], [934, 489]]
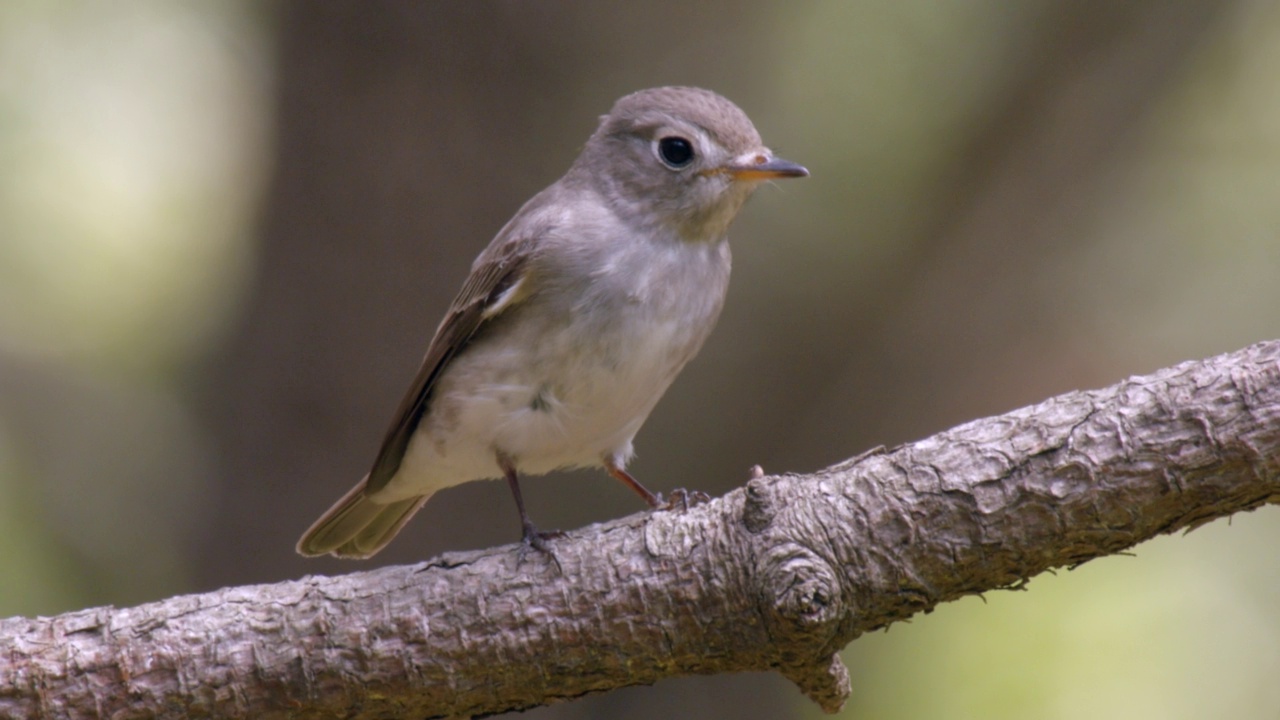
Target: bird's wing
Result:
[[497, 282]]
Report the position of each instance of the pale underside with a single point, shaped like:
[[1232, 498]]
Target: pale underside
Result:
[[552, 384]]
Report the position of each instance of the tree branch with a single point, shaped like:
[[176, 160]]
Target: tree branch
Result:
[[780, 574]]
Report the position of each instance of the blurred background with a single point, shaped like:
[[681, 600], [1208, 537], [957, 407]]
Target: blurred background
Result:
[[228, 230]]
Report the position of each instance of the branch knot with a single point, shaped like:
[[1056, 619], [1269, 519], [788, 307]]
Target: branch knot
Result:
[[804, 593], [804, 606], [757, 509]]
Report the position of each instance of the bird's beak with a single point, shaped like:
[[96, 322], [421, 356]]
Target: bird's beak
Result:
[[759, 166]]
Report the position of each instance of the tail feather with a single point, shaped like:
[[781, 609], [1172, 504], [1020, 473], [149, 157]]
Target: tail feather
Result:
[[356, 526]]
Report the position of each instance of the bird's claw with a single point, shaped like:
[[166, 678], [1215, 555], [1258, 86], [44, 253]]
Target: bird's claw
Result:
[[683, 499], [536, 539]]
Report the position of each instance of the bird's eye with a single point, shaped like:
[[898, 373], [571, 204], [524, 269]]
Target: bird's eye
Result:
[[676, 152]]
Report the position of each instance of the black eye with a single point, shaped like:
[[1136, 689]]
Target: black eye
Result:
[[675, 151]]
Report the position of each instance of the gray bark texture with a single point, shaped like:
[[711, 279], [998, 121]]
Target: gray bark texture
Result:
[[780, 574]]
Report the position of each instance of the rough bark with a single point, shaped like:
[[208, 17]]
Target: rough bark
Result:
[[778, 575]]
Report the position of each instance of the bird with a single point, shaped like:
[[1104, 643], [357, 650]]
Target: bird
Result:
[[573, 321]]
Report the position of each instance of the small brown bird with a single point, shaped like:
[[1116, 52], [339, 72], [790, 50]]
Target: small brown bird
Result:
[[575, 319]]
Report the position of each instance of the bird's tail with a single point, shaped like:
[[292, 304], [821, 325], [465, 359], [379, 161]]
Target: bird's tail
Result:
[[356, 526]]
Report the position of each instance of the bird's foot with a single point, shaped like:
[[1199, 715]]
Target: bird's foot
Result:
[[683, 499], [535, 539]]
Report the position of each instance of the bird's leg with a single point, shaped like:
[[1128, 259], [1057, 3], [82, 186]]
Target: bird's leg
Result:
[[655, 500], [532, 537], [679, 497]]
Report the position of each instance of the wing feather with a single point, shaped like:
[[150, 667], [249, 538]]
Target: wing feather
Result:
[[493, 287]]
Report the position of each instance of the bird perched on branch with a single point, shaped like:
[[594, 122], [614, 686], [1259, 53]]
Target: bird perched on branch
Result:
[[574, 320]]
